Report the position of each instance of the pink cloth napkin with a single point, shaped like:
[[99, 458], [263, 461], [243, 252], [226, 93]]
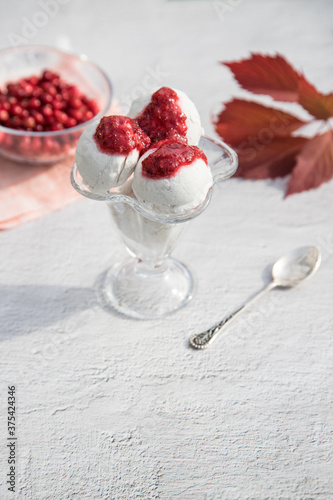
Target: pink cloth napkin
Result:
[[27, 192], [30, 191]]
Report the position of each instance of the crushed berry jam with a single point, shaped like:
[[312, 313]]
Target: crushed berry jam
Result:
[[170, 155], [120, 135], [163, 117]]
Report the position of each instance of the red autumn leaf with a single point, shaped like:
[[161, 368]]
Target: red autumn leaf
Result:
[[314, 164], [317, 104], [270, 75], [274, 159], [262, 136], [245, 121]]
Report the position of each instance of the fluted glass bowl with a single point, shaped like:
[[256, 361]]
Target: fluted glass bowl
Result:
[[151, 284], [49, 147]]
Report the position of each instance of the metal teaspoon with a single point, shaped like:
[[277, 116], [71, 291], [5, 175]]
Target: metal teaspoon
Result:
[[287, 272]]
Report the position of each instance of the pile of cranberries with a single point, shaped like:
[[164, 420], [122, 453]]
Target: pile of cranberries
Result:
[[44, 103]]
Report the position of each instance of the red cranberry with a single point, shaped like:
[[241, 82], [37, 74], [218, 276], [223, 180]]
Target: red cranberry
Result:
[[56, 104], [16, 109], [56, 126], [37, 92], [34, 103], [47, 110], [27, 87], [15, 122], [88, 115], [4, 115], [49, 88], [71, 122], [15, 90], [25, 102], [61, 117], [93, 106], [74, 91], [77, 114], [75, 102], [29, 122], [12, 100], [39, 118], [64, 94], [49, 75], [46, 98], [33, 80]]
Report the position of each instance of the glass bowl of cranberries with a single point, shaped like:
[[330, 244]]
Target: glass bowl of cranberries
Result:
[[47, 98]]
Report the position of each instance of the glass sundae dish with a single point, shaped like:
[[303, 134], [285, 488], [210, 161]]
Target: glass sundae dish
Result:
[[168, 183]]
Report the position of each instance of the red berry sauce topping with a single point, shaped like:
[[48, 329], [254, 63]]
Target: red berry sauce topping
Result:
[[44, 103], [170, 155], [163, 117], [120, 135]]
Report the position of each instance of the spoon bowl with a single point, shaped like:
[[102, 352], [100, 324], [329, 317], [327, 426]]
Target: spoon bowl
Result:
[[296, 266]]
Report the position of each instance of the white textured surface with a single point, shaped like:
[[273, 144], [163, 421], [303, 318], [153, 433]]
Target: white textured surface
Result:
[[110, 408]]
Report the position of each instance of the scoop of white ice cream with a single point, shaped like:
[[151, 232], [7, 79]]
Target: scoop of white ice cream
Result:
[[177, 193], [102, 171], [193, 122]]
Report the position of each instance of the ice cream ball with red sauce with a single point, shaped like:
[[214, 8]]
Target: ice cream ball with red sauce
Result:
[[166, 113], [172, 177], [108, 151]]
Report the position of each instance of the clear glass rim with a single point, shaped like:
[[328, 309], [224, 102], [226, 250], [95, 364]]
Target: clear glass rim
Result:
[[81, 57], [163, 218]]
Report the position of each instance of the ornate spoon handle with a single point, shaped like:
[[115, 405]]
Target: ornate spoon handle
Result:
[[204, 339]]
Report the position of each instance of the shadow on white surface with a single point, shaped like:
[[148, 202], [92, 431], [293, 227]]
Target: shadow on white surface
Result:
[[29, 308]]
